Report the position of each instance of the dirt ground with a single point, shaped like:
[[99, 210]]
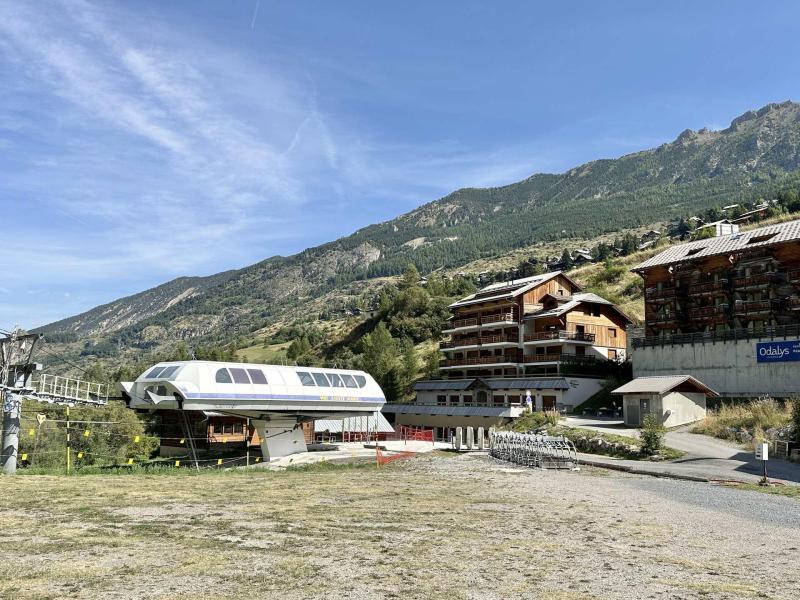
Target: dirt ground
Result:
[[437, 526]]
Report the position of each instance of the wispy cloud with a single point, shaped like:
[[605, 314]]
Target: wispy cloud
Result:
[[139, 154]]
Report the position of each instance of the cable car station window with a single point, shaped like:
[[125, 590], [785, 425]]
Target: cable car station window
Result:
[[305, 378], [349, 381], [360, 380], [336, 381], [321, 379], [257, 376], [168, 372], [240, 376], [223, 376], [154, 373]]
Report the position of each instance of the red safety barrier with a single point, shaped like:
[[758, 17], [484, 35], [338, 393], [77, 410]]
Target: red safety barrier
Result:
[[383, 459], [411, 434]]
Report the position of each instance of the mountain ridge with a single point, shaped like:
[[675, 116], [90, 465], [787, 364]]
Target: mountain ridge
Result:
[[757, 154]]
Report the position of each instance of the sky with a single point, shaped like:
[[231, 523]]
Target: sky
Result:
[[143, 141]]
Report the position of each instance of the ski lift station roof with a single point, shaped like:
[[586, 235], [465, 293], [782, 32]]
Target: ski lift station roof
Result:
[[249, 389]]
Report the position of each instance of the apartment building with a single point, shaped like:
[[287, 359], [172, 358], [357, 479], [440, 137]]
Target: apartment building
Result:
[[725, 310], [540, 325]]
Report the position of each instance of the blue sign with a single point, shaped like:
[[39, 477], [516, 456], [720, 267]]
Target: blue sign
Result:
[[777, 351]]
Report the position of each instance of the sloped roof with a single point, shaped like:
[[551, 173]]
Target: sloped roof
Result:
[[724, 244], [460, 411], [501, 383], [573, 302], [509, 289], [360, 424], [661, 384]]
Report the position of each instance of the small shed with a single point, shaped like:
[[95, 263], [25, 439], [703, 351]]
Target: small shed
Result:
[[676, 399]]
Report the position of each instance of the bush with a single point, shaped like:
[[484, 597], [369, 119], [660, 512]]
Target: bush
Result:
[[652, 435], [530, 421], [729, 419], [796, 418]]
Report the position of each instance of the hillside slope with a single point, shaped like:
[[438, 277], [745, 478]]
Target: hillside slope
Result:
[[758, 154]]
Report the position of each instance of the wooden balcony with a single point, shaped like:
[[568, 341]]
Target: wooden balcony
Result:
[[706, 312], [709, 288], [752, 307], [662, 318], [573, 336], [498, 318], [755, 281], [539, 358], [479, 341], [482, 360], [653, 293], [458, 323]]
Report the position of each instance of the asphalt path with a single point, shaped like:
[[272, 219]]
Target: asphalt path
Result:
[[706, 457]]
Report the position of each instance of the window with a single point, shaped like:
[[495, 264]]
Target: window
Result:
[[360, 380], [257, 376], [612, 332], [227, 428], [240, 376], [321, 380], [305, 378], [441, 400], [154, 373], [169, 371], [762, 238], [223, 376], [349, 381], [216, 428], [467, 400], [454, 400], [612, 355], [237, 427], [336, 381]]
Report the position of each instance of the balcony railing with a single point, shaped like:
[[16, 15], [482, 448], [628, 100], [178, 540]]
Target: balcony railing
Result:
[[537, 358], [664, 292], [706, 311], [498, 318], [482, 360], [455, 324], [774, 332], [794, 275], [706, 288], [662, 318], [479, 341], [757, 306], [753, 281], [575, 336]]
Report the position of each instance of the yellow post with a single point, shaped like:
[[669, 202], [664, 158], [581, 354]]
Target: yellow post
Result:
[[68, 450]]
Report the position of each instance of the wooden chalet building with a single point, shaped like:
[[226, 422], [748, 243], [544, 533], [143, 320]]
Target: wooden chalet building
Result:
[[530, 326], [725, 310], [747, 281]]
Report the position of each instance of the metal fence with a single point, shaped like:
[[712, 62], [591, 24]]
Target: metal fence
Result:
[[706, 337], [533, 450]]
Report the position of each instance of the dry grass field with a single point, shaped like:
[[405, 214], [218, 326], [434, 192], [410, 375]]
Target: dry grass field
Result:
[[438, 526]]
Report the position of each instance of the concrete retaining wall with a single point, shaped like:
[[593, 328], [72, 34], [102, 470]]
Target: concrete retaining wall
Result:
[[730, 368]]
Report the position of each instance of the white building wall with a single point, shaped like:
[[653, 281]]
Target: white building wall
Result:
[[679, 408], [730, 368]]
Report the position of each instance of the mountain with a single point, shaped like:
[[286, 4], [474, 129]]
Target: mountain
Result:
[[756, 156]]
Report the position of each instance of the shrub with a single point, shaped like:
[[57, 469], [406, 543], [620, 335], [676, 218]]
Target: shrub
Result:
[[530, 421], [652, 435], [796, 418]]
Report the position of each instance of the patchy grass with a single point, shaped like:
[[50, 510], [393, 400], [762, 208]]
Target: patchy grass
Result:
[[362, 532], [576, 433], [789, 491], [259, 353], [756, 417]]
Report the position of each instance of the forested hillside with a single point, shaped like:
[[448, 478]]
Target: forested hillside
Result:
[[755, 157]]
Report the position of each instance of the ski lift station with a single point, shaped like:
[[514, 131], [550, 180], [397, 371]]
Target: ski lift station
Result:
[[277, 399]]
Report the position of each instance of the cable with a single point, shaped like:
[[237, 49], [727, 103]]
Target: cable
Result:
[[66, 360]]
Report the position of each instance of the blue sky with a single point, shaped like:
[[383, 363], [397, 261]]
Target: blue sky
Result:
[[143, 141]]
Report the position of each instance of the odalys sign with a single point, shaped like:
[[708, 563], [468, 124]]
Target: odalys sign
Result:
[[778, 351]]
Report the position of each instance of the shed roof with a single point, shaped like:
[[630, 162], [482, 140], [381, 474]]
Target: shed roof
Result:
[[662, 384], [725, 244]]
